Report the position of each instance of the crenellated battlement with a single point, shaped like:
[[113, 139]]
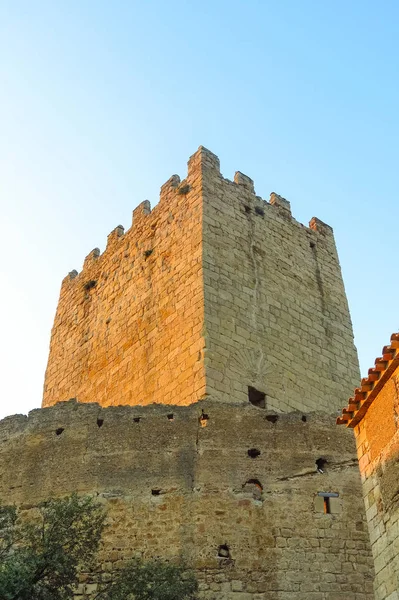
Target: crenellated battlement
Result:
[[202, 164]]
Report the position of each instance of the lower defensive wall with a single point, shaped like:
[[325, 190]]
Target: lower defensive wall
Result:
[[262, 506]]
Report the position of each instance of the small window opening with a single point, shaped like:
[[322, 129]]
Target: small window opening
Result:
[[304, 419], [321, 465], [259, 211], [247, 209], [136, 419], [203, 420], [90, 285], [327, 507], [256, 397], [255, 487], [170, 417], [312, 245], [100, 422], [224, 551], [156, 492], [327, 500], [253, 452], [148, 253], [272, 418], [59, 431]]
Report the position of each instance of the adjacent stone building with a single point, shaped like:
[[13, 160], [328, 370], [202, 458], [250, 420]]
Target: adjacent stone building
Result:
[[208, 348], [373, 415]]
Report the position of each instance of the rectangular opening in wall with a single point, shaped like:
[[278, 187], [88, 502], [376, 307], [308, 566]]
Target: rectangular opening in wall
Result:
[[327, 507], [256, 397], [327, 502]]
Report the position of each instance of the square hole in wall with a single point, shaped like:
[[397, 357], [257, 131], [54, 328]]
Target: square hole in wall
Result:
[[327, 503], [256, 397]]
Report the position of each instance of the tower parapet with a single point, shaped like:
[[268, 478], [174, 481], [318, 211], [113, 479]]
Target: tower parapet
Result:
[[213, 291]]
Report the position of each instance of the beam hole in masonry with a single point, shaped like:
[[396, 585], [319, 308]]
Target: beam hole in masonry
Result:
[[170, 417], [203, 420], [312, 245], [156, 492], [321, 465], [136, 419], [259, 211], [304, 419], [100, 422], [224, 551], [59, 431], [256, 397], [90, 285], [247, 209], [271, 418], [253, 453]]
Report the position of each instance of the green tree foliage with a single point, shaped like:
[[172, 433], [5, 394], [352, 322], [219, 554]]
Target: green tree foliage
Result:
[[40, 557], [152, 580]]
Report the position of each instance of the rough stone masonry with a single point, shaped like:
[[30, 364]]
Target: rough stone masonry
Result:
[[219, 312], [232, 489], [213, 292]]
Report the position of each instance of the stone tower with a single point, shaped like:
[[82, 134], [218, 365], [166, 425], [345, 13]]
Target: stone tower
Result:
[[220, 297], [215, 292]]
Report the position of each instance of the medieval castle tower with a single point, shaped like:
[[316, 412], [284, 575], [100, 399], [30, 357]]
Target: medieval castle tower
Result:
[[209, 348], [213, 292]]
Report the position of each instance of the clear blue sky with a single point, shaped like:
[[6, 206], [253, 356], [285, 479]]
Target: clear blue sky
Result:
[[100, 102]]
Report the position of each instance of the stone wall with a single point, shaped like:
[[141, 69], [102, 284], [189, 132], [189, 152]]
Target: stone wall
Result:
[[377, 439], [128, 327], [203, 481], [212, 292], [276, 313]]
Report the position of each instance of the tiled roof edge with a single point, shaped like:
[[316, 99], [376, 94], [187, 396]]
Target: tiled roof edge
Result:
[[371, 385]]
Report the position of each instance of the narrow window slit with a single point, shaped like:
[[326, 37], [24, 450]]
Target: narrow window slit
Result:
[[203, 420], [328, 498], [327, 507]]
